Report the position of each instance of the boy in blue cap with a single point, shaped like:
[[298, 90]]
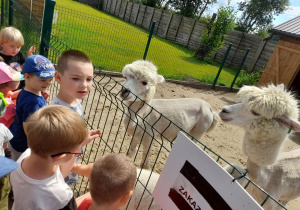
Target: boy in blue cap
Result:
[[38, 73]]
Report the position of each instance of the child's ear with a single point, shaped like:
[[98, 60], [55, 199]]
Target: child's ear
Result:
[[57, 77], [125, 198], [26, 76]]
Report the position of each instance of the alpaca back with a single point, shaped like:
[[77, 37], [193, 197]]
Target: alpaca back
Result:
[[141, 198]]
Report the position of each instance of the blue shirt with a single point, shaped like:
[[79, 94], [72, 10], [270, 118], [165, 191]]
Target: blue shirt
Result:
[[27, 103]]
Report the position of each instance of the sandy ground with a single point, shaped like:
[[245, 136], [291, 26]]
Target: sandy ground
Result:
[[225, 140]]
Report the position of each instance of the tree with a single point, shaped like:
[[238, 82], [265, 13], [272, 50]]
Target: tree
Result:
[[204, 5], [190, 8], [211, 40], [259, 13]]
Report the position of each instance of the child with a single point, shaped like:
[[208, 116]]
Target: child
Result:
[[6, 165], [11, 41], [75, 76], [9, 81], [111, 183], [55, 135], [38, 73]]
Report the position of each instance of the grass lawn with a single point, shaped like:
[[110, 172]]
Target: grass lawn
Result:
[[111, 43]]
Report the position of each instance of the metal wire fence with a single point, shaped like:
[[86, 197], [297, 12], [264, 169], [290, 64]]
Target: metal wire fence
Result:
[[103, 108]]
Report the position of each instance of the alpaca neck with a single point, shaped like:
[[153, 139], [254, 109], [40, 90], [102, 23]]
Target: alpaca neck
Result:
[[262, 149], [253, 170], [134, 108]]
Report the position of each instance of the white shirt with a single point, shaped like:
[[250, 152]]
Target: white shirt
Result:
[[5, 136], [77, 108], [51, 193]]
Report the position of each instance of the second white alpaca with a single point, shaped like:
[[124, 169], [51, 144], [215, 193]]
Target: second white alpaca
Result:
[[266, 114], [144, 123]]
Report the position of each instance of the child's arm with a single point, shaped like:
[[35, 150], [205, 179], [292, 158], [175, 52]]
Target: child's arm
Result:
[[83, 170], [14, 95], [46, 95], [92, 135], [31, 51]]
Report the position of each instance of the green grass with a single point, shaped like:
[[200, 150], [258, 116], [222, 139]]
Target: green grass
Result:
[[111, 43]]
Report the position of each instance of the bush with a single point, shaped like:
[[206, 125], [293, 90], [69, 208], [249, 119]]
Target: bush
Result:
[[246, 78], [212, 40]]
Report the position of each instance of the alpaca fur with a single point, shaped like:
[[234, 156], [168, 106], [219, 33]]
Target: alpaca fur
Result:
[[142, 199], [266, 114], [193, 115]]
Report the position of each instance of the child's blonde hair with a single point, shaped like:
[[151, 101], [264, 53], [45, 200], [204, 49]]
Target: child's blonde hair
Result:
[[55, 129], [112, 176], [72, 55], [11, 34]]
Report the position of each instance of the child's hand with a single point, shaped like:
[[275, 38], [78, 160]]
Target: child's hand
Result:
[[31, 51], [92, 135], [46, 95]]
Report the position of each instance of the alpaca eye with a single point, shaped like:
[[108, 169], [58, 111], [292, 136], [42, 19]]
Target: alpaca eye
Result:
[[255, 113], [144, 83]]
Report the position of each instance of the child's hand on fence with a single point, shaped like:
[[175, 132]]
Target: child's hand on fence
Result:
[[83, 170], [31, 51], [46, 95], [92, 135]]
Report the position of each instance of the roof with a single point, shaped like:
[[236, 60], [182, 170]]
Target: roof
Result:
[[289, 29]]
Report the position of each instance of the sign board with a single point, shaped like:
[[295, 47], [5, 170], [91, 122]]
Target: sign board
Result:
[[191, 179]]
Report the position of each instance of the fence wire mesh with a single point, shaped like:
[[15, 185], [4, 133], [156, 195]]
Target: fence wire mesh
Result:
[[103, 108]]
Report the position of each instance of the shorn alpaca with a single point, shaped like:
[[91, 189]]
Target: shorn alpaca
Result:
[[142, 199], [266, 114], [193, 115]]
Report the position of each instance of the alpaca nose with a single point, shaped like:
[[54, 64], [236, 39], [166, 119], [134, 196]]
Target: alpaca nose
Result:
[[124, 92]]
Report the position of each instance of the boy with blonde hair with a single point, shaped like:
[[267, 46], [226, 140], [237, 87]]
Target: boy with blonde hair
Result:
[[11, 41], [112, 182], [38, 73], [55, 136], [74, 73]]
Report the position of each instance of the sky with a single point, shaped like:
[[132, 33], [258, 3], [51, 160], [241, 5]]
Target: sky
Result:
[[292, 12]]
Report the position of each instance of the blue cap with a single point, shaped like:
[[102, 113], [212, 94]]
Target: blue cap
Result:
[[7, 166], [40, 66]]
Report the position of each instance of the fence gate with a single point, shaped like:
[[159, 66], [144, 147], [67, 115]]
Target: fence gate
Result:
[[284, 63]]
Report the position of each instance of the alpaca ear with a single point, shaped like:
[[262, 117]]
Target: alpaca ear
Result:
[[288, 122], [160, 78]]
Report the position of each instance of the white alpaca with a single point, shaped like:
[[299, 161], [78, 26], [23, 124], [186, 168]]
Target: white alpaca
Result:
[[193, 115], [266, 114], [142, 199]]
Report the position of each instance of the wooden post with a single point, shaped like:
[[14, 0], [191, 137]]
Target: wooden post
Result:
[[257, 55], [277, 65]]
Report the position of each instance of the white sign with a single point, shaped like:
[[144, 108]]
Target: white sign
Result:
[[191, 179]]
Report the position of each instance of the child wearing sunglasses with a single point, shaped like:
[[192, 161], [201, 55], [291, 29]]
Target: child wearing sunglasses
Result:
[[54, 142]]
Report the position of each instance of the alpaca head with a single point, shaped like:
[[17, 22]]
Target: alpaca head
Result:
[[141, 79], [265, 114]]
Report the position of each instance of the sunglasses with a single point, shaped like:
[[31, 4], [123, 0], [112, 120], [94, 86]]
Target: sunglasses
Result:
[[76, 154]]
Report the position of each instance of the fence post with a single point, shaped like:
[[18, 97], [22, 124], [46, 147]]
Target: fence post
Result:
[[218, 74], [11, 13], [47, 27], [149, 39], [239, 70]]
